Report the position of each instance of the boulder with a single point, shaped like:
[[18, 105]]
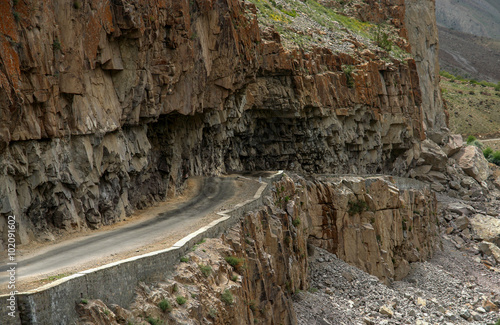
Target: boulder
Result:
[[460, 208], [487, 228], [454, 144], [473, 163], [490, 249], [433, 155], [462, 223]]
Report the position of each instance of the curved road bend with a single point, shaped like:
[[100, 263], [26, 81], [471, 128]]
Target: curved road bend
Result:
[[214, 192]]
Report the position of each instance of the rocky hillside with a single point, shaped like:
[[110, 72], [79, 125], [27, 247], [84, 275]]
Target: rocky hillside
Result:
[[468, 55], [108, 106], [469, 34], [475, 17]]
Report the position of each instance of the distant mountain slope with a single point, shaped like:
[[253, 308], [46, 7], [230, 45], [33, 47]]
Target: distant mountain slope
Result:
[[477, 17], [468, 55], [473, 109]]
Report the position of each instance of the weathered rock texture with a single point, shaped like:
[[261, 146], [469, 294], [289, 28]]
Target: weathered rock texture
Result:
[[107, 106], [420, 21], [269, 252]]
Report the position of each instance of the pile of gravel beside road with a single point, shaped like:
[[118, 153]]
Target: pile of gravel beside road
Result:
[[449, 289]]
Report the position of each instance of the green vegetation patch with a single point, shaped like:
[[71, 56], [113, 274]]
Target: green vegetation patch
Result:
[[287, 18], [234, 261], [206, 270], [181, 300], [227, 297], [165, 305], [356, 207]]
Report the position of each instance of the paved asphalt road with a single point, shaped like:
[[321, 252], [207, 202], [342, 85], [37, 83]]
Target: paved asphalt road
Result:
[[214, 192]]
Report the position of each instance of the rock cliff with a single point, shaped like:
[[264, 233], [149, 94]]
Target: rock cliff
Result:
[[108, 105]]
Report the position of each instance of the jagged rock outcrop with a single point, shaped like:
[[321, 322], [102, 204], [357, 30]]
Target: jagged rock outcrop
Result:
[[102, 99], [248, 275]]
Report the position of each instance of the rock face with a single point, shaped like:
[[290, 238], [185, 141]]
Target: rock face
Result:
[[369, 223], [248, 275], [108, 106], [420, 21]]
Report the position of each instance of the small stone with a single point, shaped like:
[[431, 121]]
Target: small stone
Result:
[[489, 306], [450, 316], [386, 310], [480, 310], [421, 302], [412, 313], [437, 187], [368, 321], [465, 314], [454, 185], [349, 276]]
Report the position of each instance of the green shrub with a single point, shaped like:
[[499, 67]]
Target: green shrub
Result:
[[153, 321], [77, 4], [356, 207], [181, 300], [234, 278], [382, 39], [495, 158], [84, 301], [296, 222], [212, 313], [165, 305], [234, 261], [184, 259], [227, 297], [348, 69], [478, 144], [471, 139], [56, 45], [17, 17], [206, 270], [487, 152]]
